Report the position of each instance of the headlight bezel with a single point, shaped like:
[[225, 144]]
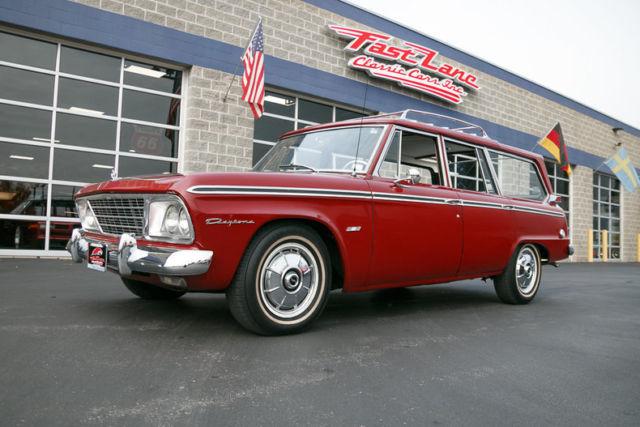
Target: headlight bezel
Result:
[[156, 209], [84, 213]]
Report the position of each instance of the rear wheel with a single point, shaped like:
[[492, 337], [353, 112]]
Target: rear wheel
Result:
[[148, 291], [283, 281], [520, 281]]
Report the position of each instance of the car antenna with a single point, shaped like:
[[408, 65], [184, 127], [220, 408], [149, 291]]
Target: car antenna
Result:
[[364, 103]]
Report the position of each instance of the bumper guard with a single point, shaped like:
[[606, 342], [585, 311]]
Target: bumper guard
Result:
[[132, 259]]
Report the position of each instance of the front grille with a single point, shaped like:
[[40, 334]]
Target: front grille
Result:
[[119, 214]]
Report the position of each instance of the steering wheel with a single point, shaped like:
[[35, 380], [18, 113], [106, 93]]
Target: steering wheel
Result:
[[360, 165]]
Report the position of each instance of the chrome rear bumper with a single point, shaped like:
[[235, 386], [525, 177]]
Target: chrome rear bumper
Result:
[[127, 258]]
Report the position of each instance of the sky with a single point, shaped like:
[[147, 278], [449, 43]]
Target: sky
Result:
[[587, 50]]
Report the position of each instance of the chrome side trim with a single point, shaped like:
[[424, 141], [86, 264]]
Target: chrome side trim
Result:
[[466, 203], [277, 191], [538, 211], [489, 205], [410, 198], [349, 194]]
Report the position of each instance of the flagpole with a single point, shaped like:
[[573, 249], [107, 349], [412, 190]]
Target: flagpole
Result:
[[244, 52]]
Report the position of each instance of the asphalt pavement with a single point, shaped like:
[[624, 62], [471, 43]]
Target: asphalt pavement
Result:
[[77, 348]]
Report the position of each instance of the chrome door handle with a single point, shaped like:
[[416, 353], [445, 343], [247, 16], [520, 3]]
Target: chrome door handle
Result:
[[507, 206], [454, 201]]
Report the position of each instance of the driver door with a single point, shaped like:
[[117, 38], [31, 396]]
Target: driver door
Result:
[[417, 226]]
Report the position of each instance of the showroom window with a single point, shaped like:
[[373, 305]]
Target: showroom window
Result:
[[560, 184], [606, 214], [283, 113], [70, 116]]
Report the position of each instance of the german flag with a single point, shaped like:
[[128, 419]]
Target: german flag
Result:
[[554, 144]]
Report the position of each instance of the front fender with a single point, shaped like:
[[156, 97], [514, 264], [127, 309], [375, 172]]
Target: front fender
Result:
[[239, 218]]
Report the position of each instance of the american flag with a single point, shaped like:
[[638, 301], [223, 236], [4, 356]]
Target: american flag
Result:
[[253, 76]]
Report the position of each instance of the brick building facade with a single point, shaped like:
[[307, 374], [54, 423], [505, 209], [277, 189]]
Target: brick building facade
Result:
[[307, 67]]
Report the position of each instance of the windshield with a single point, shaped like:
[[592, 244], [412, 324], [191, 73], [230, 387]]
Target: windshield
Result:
[[332, 150]]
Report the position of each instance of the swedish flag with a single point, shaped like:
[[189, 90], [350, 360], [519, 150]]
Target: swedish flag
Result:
[[620, 165]]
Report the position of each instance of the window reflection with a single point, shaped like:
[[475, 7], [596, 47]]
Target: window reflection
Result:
[[62, 204], [22, 234], [26, 86], [281, 105], [89, 64], [85, 97], [26, 161], [60, 233], [23, 198], [85, 131], [342, 114], [152, 77], [314, 111], [134, 166], [141, 139], [24, 123], [72, 165], [26, 51], [271, 128], [150, 108], [259, 150]]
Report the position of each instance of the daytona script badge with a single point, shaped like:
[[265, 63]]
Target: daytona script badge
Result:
[[410, 66], [228, 222]]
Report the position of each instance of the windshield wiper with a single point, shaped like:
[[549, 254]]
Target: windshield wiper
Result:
[[295, 166]]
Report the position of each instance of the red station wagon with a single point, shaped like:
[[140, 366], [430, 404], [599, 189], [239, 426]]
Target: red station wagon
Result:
[[394, 200]]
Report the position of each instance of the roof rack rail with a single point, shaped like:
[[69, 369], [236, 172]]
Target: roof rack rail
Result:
[[437, 120]]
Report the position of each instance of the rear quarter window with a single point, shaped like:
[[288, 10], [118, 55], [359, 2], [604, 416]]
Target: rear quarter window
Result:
[[517, 177]]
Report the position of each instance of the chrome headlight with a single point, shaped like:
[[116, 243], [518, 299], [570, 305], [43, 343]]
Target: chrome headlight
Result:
[[169, 220], [87, 218]]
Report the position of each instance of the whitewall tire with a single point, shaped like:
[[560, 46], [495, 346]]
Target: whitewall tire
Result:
[[283, 281]]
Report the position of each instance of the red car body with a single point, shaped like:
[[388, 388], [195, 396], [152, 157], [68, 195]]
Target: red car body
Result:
[[399, 243]]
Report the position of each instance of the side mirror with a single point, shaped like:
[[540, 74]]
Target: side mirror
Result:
[[554, 200], [413, 178]]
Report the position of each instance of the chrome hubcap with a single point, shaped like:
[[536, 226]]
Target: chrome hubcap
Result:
[[289, 280], [526, 271]]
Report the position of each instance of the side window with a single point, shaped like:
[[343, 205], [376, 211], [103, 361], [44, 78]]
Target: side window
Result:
[[517, 177], [468, 168], [415, 151]]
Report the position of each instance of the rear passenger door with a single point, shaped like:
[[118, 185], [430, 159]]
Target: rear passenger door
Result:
[[488, 227]]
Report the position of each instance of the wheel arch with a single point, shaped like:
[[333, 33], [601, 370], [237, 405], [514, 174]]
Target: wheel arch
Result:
[[541, 247], [326, 233]]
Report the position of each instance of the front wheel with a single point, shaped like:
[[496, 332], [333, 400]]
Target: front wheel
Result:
[[283, 281], [520, 281]]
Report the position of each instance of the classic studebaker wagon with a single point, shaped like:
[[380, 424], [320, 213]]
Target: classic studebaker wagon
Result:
[[394, 200]]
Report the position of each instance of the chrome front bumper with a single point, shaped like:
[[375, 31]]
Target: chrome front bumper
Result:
[[127, 258]]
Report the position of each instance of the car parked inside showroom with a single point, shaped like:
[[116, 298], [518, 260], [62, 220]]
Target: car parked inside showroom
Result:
[[394, 200]]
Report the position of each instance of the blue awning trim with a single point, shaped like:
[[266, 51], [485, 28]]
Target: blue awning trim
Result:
[[72, 20]]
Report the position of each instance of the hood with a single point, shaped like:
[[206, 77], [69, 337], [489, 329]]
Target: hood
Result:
[[181, 183], [140, 184]]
